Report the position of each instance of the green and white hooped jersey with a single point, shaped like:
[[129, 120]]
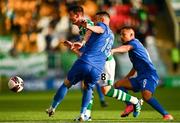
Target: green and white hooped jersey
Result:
[[82, 30]]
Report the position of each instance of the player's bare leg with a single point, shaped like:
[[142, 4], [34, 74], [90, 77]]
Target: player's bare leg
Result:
[[123, 83]]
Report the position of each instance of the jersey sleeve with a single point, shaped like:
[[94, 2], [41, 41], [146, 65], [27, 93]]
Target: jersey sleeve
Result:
[[102, 25], [133, 44]]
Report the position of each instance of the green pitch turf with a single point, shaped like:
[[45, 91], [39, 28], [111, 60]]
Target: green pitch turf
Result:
[[30, 107]]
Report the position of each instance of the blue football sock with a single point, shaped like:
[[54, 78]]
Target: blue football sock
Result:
[[87, 95], [125, 90], [62, 91], [101, 95], [155, 104]]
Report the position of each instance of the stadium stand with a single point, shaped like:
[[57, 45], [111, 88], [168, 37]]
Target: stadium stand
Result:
[[36, 26]]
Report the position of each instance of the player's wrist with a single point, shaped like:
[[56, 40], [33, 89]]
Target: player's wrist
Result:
[[112, 51], [88, 26]]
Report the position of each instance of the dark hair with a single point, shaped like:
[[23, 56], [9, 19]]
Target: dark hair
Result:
[[76, 9], [103, 13], [127, 27]]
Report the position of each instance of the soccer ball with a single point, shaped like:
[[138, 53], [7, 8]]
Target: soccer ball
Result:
[[16, 84]]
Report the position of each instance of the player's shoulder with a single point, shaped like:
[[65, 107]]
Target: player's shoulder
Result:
[[101, 24], [104, 26], [135, 43], [135, 40]]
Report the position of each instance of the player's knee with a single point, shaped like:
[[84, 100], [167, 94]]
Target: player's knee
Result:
[[87, 87], [105, 89], [116, 85], [67, 83], [146, 95], [146, 98], [84, 86]]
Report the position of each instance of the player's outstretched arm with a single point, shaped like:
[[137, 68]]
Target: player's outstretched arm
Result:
[[73, 46], [95, 29], [67, 43], [77, 45], [122, 49]]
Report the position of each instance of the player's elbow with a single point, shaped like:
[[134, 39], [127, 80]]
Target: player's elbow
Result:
[[116, 85]]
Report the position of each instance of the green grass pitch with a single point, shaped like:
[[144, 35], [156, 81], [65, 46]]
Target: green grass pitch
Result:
[[30, 107]]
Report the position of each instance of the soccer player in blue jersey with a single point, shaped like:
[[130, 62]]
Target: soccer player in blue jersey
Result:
[[147, 79], [106, 85], [88, 66], [76, 15]]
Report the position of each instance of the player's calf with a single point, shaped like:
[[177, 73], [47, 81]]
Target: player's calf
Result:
[[147, 96]]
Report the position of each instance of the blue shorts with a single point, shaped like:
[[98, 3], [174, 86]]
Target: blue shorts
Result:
[[144, 83], [83, 71]]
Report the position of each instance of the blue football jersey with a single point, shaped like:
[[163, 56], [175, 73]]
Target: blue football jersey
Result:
[[141, 60], [98, 47]]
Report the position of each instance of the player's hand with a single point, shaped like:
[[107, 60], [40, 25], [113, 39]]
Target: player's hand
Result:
[[77, 45], [68, 43], [83, 23], [112, 52]]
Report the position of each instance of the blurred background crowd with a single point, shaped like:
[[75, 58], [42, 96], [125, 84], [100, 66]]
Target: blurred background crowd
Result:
[[40, 25], [31, 32]]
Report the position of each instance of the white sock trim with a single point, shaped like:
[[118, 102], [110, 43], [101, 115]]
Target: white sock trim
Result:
[[115, 92], [124, 97], [88, 113], [134, 100], [120, 94]]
